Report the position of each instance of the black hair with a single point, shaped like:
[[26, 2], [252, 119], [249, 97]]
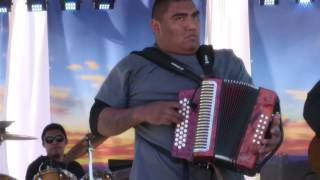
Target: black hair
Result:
[[161, 6], [53, 126]]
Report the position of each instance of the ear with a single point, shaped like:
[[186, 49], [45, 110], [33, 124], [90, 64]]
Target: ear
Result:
[[155, 26]]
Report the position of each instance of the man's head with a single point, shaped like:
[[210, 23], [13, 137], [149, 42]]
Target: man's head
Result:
[[54, 140], [176, 24]]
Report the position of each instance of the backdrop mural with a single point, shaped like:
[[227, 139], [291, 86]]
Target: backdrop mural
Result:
[[285, 42], [83, 47]]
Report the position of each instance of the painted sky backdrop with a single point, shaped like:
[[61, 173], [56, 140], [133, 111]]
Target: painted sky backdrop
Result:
[[285, 43], [83, 47]]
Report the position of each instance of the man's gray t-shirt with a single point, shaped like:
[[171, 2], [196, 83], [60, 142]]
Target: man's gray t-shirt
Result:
[[135, 81]]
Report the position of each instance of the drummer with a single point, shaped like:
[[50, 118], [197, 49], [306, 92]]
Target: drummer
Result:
[[54, 140]]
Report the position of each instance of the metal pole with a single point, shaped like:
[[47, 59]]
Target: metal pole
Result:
[[90, 149]]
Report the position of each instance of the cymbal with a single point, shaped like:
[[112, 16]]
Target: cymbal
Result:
[[5, 124], [314, 155], [8, 136]]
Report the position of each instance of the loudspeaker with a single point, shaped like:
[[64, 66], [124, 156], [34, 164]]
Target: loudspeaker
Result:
[[120, 169]]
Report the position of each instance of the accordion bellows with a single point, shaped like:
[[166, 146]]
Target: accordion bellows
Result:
[[224, 122]]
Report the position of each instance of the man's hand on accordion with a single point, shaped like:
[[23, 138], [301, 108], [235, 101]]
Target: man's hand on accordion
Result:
[[159, 113], [270, 144]]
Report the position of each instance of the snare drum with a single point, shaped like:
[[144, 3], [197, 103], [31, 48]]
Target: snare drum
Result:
[[54, 174], [6, 177], [98, 175]]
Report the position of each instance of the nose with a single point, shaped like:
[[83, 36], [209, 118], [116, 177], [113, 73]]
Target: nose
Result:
[[192, 23]]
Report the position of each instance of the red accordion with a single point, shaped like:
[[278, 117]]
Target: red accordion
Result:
[[224, 122]]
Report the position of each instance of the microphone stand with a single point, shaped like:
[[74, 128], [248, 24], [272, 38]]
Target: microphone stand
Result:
[[90, 149]]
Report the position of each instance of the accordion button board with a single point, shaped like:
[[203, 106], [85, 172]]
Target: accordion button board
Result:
[[203, 135]]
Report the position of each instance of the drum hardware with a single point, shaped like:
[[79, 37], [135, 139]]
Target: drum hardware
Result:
[[54, 174], [87, 145], [98, 175], [94, 174], [4, 135], [90, 149]]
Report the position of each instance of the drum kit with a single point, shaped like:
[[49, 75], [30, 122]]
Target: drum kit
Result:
[[83, 146], [54, 174], [94, 174], [117, 170]]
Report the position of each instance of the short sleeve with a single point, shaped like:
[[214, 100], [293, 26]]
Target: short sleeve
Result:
[[229, 66], [311, 111], [114, 90], [241, 73]]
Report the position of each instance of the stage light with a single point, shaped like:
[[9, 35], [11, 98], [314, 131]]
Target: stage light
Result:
[[304, 2], [5, 6], [103, 4], [37, 5], [70, 5], [269, 2]]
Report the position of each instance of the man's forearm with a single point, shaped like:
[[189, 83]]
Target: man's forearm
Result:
[[81, 147], [113, 121]]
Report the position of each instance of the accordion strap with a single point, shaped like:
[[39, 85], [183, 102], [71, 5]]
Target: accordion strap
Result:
[[205, 57]]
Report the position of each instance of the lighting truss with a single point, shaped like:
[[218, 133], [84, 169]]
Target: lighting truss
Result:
[[37, 5], [269, 2], [305, 2], [5, 6], [70, 5], [103, 4]]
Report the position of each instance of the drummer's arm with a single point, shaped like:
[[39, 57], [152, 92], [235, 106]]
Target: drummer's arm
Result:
[[81, 147]]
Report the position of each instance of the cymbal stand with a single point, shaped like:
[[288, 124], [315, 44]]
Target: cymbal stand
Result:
[[90, 149], [1, 136]]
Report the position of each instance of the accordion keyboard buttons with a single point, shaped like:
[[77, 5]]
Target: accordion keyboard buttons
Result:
[[257, 136], [181, 130]]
